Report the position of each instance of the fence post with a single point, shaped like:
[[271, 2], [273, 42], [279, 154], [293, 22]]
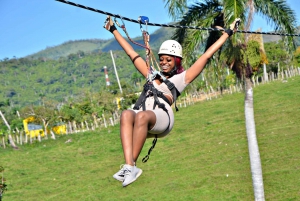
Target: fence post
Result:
[[104, 120], [26, 137], [87, 126], [3, 141], [111, 121]]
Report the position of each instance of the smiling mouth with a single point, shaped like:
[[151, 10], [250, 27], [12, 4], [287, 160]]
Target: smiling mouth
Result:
[[165, 67]]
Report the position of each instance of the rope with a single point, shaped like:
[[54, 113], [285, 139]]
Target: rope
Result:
[[146, 37], [124, 29], [169, 25]]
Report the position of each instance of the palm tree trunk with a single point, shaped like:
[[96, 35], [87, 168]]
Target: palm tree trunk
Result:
[[3, 141], [11, 142], [255, 163]]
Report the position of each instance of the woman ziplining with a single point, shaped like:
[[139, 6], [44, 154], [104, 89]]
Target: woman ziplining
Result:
[[152, 115]]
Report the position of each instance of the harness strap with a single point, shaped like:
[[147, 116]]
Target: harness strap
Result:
[[141, 100], [145, 159], [174, 91]]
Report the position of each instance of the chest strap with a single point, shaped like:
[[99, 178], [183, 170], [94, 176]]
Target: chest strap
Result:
[[174, 91], [150, 90]]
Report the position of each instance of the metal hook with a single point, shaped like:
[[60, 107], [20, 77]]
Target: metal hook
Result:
[[143, 20], [117, 23]]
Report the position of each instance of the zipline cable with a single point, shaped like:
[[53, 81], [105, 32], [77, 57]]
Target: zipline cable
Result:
[[169, 25]]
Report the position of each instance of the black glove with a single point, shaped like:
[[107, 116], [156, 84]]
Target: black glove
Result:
[[109, 24], [233, 27]]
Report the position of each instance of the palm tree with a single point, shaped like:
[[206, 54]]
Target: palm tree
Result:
[[208, 13]]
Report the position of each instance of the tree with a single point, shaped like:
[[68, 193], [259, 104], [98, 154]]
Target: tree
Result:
[[277, 55], [222, 12], [297, 56], [46, 114]]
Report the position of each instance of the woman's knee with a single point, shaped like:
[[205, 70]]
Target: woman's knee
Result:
[[144, 117], [127, 115]]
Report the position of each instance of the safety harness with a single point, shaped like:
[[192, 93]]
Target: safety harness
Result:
[[151, 91]]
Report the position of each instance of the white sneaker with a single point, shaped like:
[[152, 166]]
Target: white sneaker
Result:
[[120, 174], [131, 173]]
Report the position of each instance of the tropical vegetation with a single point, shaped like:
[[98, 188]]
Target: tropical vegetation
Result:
[[241, 54]]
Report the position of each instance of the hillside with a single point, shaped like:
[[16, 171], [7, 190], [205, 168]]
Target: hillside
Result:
[[274, 38], [74, 68], [99, 45], [204, 158]]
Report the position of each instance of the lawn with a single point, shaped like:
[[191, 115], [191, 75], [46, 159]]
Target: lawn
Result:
[[204, 158]]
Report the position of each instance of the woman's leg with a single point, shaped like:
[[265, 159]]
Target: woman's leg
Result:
[[143, 122], [134, 129], [126, 134]]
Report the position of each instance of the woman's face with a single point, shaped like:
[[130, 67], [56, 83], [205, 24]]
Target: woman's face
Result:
[[166, 62]]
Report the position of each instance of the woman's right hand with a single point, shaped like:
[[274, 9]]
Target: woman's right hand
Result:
[[235, 25], [109, 24]]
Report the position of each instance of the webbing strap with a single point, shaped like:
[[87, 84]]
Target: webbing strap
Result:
[[174, 91], [145, 159], [141, 100]]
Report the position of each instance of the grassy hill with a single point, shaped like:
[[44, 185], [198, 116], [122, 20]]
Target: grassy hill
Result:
[[204, 158], [99, 45]]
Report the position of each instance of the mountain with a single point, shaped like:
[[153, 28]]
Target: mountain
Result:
[[99, 45], [274, 38]]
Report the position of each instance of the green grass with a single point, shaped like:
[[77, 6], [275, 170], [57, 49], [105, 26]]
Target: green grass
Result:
[[204, 158]]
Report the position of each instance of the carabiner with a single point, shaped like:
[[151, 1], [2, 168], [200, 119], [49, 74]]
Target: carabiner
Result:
[[143, 20], [117, 23]]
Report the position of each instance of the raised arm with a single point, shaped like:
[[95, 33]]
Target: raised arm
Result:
[[199, 65], [138, 62]]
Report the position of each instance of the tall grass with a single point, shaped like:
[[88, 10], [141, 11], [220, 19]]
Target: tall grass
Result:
[[204, 158]]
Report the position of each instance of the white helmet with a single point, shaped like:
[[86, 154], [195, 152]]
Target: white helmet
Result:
[[171, 47]]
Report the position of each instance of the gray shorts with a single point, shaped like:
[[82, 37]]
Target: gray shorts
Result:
[[163, 124]]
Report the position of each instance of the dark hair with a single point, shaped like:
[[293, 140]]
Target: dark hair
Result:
[[178, 65]]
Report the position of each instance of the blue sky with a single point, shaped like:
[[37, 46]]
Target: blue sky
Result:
[[30, 26]]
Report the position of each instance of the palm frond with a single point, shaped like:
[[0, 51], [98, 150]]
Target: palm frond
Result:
[[234, 9], [200, 15], [176, 7], [278, 14]]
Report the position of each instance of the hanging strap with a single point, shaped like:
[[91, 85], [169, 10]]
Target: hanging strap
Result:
[[145, 159]]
